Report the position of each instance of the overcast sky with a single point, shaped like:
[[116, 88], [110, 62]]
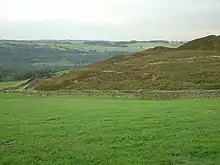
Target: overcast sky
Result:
[[109, 19]]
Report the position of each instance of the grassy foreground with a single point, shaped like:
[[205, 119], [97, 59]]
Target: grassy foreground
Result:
[[83, 131]]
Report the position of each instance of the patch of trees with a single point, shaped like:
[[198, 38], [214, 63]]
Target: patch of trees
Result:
[[134, 42], [105, 43], [101, 43], [23, 74]]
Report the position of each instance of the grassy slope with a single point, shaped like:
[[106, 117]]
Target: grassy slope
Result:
[[206, 43], [56, 130], [151, 69], [194, 65]]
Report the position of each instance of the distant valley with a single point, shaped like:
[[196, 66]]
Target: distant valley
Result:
[[25, 59]]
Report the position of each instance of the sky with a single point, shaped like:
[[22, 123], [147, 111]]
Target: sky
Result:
[[109, 19]]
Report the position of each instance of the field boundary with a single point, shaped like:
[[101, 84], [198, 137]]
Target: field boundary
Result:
[[145, 94]]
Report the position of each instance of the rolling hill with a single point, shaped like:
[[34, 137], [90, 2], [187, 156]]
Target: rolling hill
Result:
[[211, 42], [194, 65], [21, 60]]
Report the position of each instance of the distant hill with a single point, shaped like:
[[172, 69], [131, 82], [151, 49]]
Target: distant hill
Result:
[[21, 60], [211, 42], [158, 68]]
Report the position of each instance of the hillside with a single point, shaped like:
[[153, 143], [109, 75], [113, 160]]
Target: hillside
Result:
[[22, 59], [158, 68], [211, 42]]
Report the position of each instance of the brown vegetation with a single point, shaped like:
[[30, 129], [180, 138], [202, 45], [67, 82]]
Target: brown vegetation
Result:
[[211, 42], [158, 68]]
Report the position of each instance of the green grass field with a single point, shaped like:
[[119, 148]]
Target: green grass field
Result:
[[93, 131], [130, 47]]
